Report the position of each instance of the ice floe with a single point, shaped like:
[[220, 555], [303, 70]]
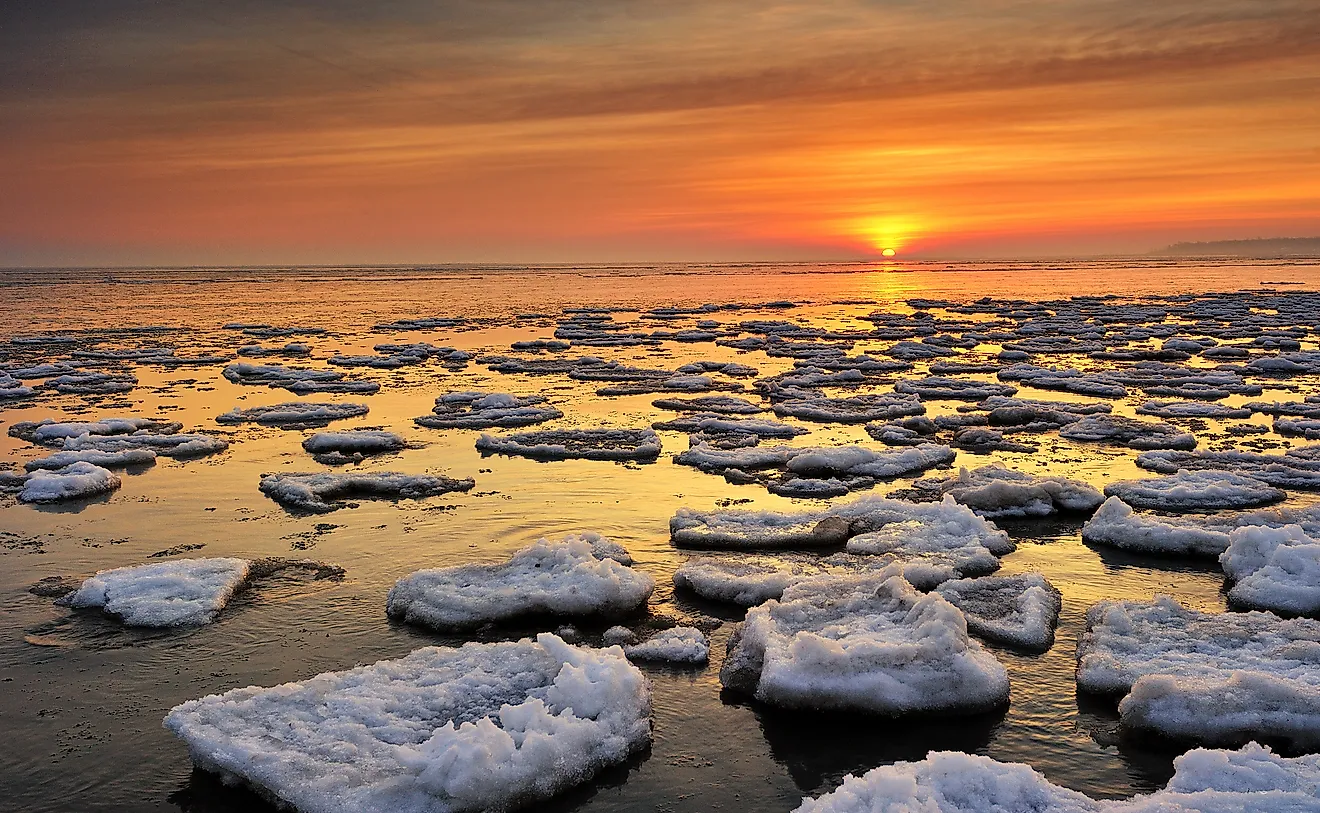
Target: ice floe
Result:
[[1195, 490], [994, 491], [1018, 610], [75, 481], [687, 645], [868, 643], [479, 410], [1274, 569], [1191, 409], [1117, 525], [480, 727], [296, 380], [106, 460], [293, 414], [586, 444], [1296, 468], [958, 389], [55, 433], [717, 404], [746, 581], [1260, 674], [1130, 432], [352, 445], [322, 492], [1252, 780], [179, 593], [580, 576], [857, 409]]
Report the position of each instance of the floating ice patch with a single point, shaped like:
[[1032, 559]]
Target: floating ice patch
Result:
[[1019, 610], [291, 350], [106, 460], [75, 481], [1204, 781], [1130, 432], [573, 578], [710, 457], [1117, 525], [868, 643], [994, 491], [294, 414], [1293, 469], [1259, 674], [674, 645], [861, 461], [1310, 408], [181, 593], [981, 439], [1192, 409], [1308, 428], [910, 431], [481, 727], [1274, 569], [1195, 490], [295, 379], [586, 444], [352, 445], [328, 491], [54, 433], [937, 388], [477, 410], [746, 581], [173, 445], [857, 409], [718, 404], [715, 424], [12, 389]]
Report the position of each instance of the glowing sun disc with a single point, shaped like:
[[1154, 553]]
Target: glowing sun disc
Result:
[[889, 252]]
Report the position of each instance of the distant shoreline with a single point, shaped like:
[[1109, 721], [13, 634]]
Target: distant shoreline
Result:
[[1259, 248]]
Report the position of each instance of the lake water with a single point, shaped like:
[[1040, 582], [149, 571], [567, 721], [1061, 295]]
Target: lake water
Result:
[[82, 697]]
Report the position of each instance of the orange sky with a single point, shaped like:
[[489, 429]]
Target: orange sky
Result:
[[511, 130]]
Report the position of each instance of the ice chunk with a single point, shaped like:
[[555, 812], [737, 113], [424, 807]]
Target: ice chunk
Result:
[[180, 593], [352, 445], [575, 577], [174, 445], [295, 379], [994, 491], [870, 643], [73, 482], [1252, 780], [720, 404], [858, 409], [294, 414], [1018, 610], [859, 460], [1274, 569], [706, 456], [55, 433], [1191, 409], [715, 424], [1259, 674], [477, 410], [745, 581], [937, 388], [674, 645], [588, 444], [106, 460], [327, 491], [1195, 490], [481, 727], [1117, 525], [1294, 469], [1129, 432]]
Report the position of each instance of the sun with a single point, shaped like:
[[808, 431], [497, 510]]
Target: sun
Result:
[[889, 252]]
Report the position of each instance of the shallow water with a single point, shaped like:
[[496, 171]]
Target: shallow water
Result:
[[81, 697]]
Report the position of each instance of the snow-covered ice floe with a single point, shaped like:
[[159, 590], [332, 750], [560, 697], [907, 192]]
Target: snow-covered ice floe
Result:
[[55, 433], [857, 409], [745, 581], [868, 643], [721, 404], [674, 645], [481, 727], [910, 525], [587, 444], [1195, 490], [180, 593], [1296, 468], [583, 575], [1020, 611], [180, 445], [1117, 525], [1211, 677], [293, 414], [1191, 409], [479, 410], [327, 491], [1252, 780], [1274, 569], [296, 379], [717, 424], [75, 481], [994, 491], [106, 460], [861, 461], [1130, 432], [352, 445]]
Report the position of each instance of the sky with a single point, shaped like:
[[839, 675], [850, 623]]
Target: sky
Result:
[[338, 131]]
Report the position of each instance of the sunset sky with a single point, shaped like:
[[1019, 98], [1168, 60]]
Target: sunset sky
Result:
[[567, 130]]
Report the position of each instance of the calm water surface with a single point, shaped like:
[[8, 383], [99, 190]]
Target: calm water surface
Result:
[[81, 697]]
